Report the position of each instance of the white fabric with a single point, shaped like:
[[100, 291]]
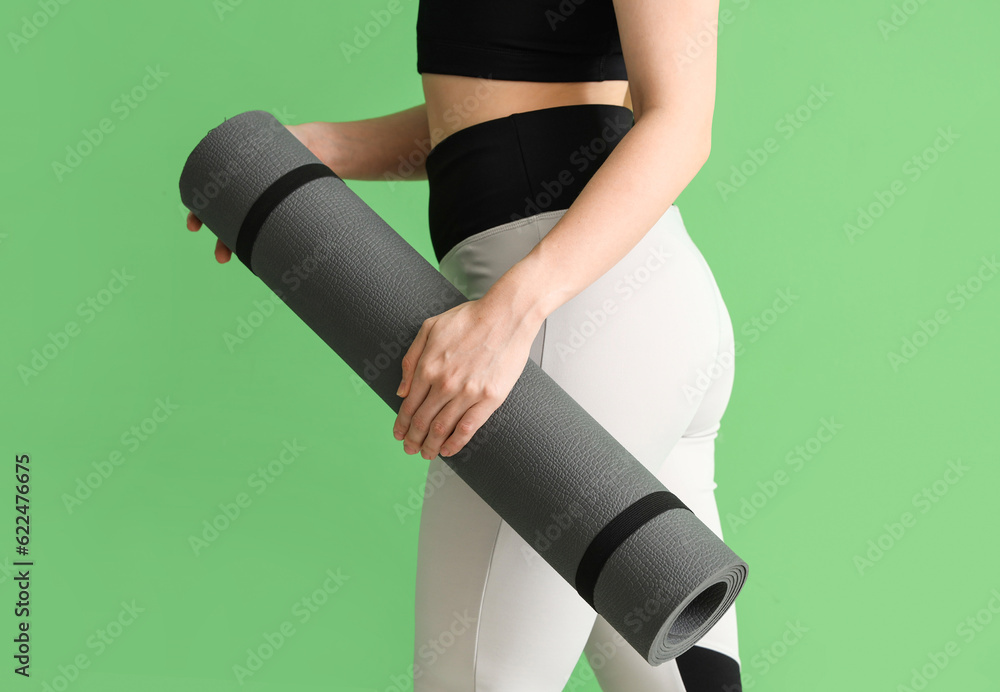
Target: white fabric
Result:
[[647, 350]]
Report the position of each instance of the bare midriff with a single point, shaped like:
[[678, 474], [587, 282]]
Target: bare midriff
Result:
[[455, 102]]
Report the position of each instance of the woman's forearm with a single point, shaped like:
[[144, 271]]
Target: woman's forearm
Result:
[[632, 189], [389, 147]]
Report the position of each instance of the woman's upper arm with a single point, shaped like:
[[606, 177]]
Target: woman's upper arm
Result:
[[670, 49]]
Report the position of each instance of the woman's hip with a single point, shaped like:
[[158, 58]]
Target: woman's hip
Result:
[[650, 338], [648, 327]]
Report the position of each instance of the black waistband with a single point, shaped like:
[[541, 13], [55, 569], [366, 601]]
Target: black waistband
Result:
[[501, 170]]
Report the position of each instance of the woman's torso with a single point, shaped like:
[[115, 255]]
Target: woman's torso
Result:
[[455, 102], [536, 93], [485, 60]]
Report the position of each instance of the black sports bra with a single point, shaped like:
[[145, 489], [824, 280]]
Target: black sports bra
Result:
[[529, 40]]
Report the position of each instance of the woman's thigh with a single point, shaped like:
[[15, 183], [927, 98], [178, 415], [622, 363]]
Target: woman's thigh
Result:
[[648, 350], [634, 349]]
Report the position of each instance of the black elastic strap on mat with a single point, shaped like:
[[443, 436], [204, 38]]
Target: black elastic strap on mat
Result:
[[607, 540], [269, 199]]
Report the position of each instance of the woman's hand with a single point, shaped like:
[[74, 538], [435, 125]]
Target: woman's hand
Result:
[[318, 137], [222, 253], [459, 369]]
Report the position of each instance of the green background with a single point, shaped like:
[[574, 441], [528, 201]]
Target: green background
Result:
[[782, 229]]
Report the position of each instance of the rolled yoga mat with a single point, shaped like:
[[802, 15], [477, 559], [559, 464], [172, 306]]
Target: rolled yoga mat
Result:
[[631, 548]]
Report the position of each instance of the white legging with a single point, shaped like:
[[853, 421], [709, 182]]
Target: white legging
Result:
[[648, 351]]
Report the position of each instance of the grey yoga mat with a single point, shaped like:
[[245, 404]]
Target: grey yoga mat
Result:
[[631, 548]]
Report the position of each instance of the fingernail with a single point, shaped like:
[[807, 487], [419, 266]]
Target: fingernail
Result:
[[398, 435], [399, 389], [408, 449]]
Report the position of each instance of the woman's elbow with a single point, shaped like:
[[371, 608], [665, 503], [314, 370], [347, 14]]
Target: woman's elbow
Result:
[[698, 128]]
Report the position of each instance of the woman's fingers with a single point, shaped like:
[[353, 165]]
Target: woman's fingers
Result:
[[222, 253], [443, 426], [413, 389], [420, 421], [467, 427], [403, 429], [410, 360]]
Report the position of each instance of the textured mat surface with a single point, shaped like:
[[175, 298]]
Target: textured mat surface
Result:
[[365, 291]]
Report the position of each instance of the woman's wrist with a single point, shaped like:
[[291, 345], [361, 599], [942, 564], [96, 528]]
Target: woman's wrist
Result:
[[390, 147], [526, 293], [325, 141]]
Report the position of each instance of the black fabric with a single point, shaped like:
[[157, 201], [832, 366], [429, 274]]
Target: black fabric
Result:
[[614, 533], [269, 199], [707, 670], [501, 170], [525, 40]]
